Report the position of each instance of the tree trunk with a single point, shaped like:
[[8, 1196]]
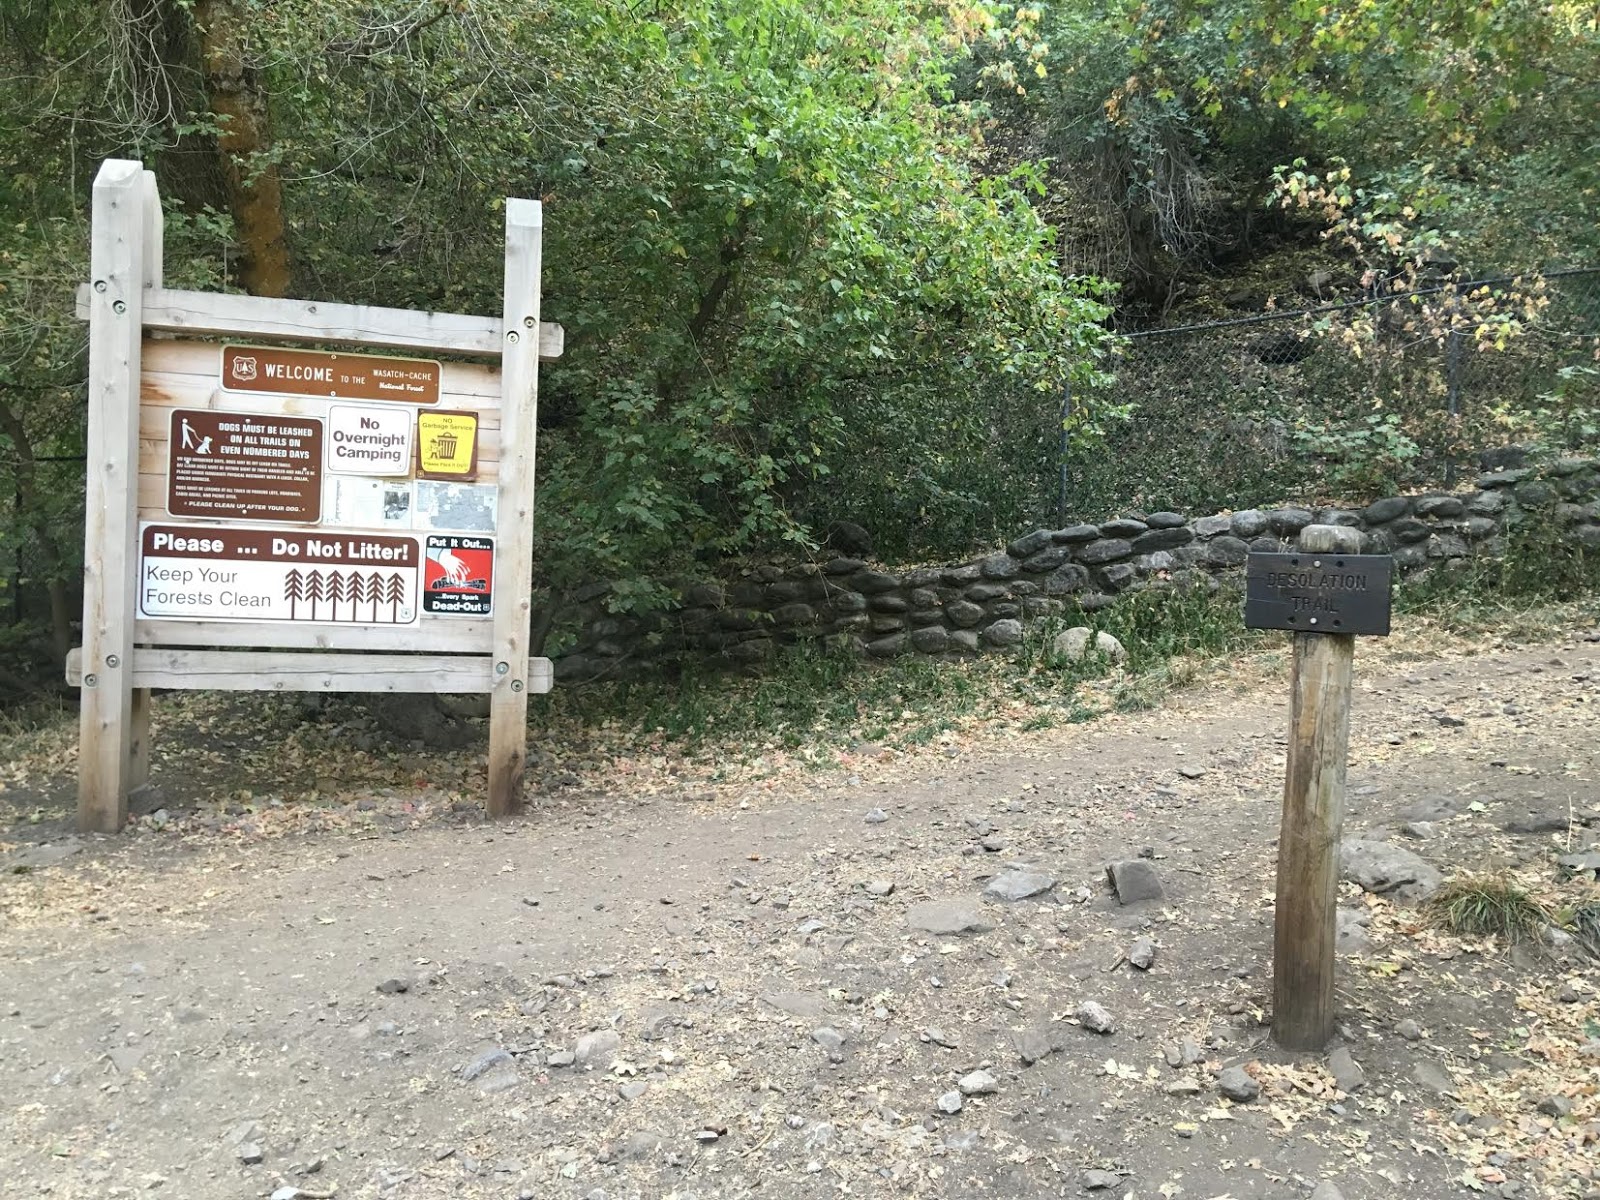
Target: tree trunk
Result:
[[28, 512], [244, 137]]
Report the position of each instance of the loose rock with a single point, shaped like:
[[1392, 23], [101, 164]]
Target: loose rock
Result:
[[1099, 1181], [828, 1038], [948, 917], [1142, 954], [1435, 1078], [1347, 1074], [1351, 935], [875, 816], [1095, 1018], [1019, 885], [1035, 1044], [950, 1103], [598, 1049], [1381, 867], [1556, 1106], [978, 1083], [1135, 881], [1074, 644], [483, 1062], [1238, 1085]]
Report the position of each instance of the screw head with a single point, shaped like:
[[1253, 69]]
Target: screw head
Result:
[[516, 685], [113, 661], [528, 322], [90, 680], [119, 306], [99, 285], [501, 668]]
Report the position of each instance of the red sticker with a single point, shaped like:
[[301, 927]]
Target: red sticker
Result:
[[458, 579]]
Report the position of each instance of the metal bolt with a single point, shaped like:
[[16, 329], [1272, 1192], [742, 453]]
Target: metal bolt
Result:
[[113, 661], [516, 685], [118, 306], [1316, 562], [513, 336], [1313, 620], [99, 285], [501, 668], [90, 680], [528, 322]]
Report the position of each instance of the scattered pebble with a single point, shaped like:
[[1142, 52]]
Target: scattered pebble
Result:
[[1142, 953], [1095, 1018], [1238, 1085], [978, 1083], [1347, 1074]]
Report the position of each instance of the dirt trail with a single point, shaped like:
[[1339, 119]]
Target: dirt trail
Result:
[[391, 1011]]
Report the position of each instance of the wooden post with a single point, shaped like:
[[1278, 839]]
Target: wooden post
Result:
[[1313, 811], [116, 286], [513, 568], [154, 253]]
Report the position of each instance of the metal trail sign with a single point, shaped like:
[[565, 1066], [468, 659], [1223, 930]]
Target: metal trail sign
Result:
[[1326, 593]]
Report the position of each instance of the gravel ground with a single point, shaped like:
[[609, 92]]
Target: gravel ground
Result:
[[810, 984]]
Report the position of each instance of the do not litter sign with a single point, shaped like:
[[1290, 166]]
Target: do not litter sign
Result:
[[458, 579]]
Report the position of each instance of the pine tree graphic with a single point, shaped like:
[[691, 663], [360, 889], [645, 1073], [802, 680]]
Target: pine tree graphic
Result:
[[375, 593], [358, 593], [394, 593], [316, 589], [342, 590], [294, 589]]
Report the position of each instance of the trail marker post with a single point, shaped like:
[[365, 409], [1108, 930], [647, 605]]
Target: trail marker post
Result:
[[1326, 593], [258, 515]]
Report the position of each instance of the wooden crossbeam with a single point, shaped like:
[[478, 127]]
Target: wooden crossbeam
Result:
[[287, 671], [260, 318]]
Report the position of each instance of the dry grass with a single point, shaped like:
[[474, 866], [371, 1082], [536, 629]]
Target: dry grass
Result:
[[1488, 905]]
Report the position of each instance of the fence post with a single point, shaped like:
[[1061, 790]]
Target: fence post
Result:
[[1313, 812], [513, 571], [116, 318], [1061, 479], [1453, 347]]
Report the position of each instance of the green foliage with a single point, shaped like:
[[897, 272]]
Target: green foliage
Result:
[[789, 295], [1367, 457], [1168, 116], [1538, 564]]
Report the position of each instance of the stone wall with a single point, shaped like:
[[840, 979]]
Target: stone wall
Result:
[[979, 605]]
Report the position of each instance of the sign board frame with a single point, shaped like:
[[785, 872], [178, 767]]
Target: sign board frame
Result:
[[136, 382]]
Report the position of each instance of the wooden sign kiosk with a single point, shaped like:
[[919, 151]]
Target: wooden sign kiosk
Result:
[[257, 518]]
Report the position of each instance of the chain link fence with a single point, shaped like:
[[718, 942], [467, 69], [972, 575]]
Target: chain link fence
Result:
[[1340, 401]]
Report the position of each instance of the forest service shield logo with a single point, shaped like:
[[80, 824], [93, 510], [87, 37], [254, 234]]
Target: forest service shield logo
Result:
[[244, 369]]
